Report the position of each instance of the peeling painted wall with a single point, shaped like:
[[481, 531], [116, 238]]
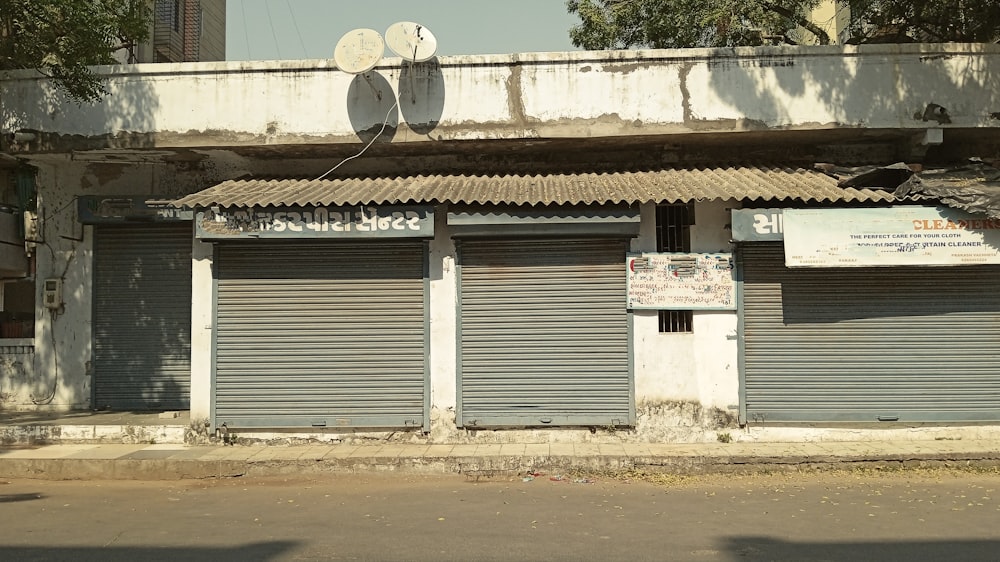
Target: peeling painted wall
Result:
[[17, 372], [53, 371], [700, 366], [532, 95], [59, 376]]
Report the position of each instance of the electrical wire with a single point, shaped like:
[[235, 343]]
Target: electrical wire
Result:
[[270, 23], [379, 134], [305, 53], [246, 37], [63, 208], [54, 313]]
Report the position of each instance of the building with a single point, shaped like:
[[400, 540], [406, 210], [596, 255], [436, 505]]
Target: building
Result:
[[183, 31], [305, 253], [832, 16]]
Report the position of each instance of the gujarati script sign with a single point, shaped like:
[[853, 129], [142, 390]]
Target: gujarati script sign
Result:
[[672, 281], [363, 221]]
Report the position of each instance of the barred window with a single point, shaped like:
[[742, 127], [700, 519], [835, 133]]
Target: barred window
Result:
[[673, 234]]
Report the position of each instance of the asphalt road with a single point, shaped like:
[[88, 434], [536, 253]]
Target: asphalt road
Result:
[[857, 516]]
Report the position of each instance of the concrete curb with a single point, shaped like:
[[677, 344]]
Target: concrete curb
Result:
[[134, 467]]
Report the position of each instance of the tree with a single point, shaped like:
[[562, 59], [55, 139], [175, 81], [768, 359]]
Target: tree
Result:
[[61, 38], [927, 21], [623, 24]]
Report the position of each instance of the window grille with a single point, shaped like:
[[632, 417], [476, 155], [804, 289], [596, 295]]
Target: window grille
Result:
[[673, 234]]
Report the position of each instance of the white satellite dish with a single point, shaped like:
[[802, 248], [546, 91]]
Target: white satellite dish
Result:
[[359, 50], [412, 41]]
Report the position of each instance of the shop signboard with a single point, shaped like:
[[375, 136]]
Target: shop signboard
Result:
[[111, 209], [893, 236], [363, 221], [757, 225]]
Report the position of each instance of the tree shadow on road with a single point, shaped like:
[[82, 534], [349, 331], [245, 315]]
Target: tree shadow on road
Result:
[[255, 551], [11, 498], [767, 548]]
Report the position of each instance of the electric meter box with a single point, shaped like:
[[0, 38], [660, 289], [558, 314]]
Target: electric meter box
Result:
[[52, 295]]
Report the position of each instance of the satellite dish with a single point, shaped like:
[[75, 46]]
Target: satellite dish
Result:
[[411, 41], [359, 50]]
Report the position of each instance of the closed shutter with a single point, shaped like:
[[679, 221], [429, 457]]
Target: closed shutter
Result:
[[320, 334], [868, 344], [142, 316], [544, 333]]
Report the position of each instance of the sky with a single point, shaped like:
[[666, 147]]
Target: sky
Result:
[[310, 29]]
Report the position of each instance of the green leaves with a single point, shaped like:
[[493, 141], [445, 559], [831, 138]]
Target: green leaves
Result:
[[61, 38], [931, 21], [623, 24]]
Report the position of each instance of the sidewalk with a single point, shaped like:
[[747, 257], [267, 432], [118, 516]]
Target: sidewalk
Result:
[[177, 461]]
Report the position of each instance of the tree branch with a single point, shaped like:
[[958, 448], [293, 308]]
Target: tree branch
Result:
[[819, 32]]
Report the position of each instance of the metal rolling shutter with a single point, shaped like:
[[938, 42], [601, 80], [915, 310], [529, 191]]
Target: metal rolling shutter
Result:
[[845, 344], [320, 334], [544, 333], [142, 316]]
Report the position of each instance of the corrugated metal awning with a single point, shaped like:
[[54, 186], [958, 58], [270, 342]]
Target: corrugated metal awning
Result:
[[661, 186], [973, 187]]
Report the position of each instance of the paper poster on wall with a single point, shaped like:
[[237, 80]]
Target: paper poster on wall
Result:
[[676, 281]]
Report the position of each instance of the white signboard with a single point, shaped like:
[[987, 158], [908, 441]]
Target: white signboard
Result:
[[887, 237], [681, 281]]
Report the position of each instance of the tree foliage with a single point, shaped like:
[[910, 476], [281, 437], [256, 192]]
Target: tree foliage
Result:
[[61, 38], [926, 21], [623, 24]]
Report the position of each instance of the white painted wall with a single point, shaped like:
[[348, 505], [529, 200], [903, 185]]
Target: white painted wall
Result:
[[59, 376], [443, 307], [202, 320], [575, 94], [715, 331], [60, 372], [700, 366]]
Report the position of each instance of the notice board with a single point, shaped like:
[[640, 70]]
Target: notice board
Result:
[[680, 281]]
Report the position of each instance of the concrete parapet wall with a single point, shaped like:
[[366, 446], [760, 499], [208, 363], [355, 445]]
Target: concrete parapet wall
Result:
[[521, 96]]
